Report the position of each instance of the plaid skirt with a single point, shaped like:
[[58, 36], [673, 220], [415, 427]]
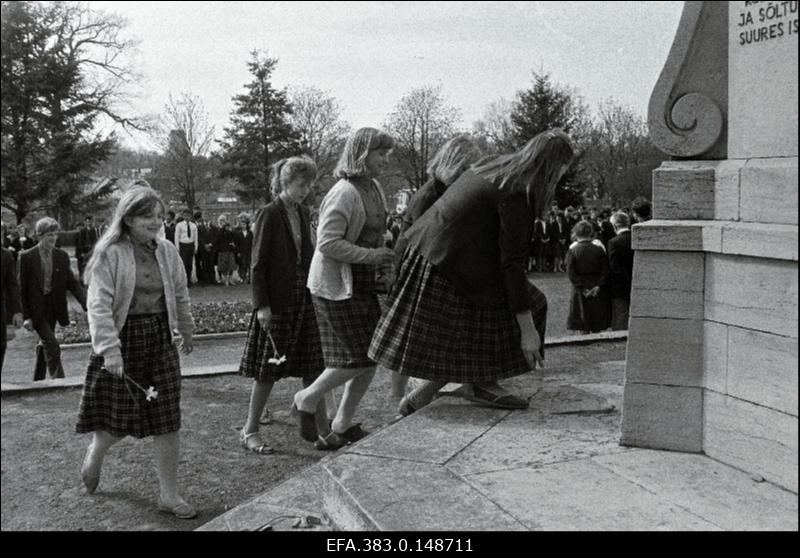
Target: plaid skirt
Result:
[[346, 326], [296, 337], [116, 405], [433, 332]]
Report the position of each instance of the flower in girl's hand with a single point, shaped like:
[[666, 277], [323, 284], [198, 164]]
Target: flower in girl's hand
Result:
[[151, 393], [277, 360]]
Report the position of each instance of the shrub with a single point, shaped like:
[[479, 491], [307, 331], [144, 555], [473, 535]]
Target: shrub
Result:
[[209, 317]]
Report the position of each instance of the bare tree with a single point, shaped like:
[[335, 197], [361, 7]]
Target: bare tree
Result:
[[185, 135], [618, 156], [421, 122], [495, 129], [317, 117]]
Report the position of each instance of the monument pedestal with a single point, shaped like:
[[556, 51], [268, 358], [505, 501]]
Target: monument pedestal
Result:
[[712, 349]]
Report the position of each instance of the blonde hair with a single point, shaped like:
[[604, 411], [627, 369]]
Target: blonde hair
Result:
[[352, 162], [286, 170], [46, 225], [222, 217], [136, 202], [453, 158], [537, 166]]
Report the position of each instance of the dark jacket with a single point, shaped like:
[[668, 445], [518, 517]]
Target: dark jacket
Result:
[[477, 237], [423, 199], [87, 238], [225, 241], [606, 233], [10, 302], [244, 241], [620, 261], [274, 263], [19, 246], [31, 282]]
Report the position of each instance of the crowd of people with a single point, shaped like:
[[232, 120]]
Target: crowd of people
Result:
[[458, 306], [212, 254]]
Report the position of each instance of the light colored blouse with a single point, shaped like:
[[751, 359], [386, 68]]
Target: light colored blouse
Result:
[[148, 294]]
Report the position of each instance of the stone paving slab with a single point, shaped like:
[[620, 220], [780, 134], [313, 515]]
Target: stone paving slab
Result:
[[446, 427], [714, 491], [527, 439], [374, 493], [583, 496]]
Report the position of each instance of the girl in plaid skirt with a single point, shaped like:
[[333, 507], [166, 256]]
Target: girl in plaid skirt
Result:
[[283, 339], [452, 159], [342, 280], [137, 298], [462, 309]]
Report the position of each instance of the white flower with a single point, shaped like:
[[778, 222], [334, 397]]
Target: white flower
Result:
[[151, 393]]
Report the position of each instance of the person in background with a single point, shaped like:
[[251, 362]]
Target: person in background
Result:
[[225, 248], [187, 241], [87, 238], [606, 228], [283, 337], [22, 241], [44, 278], [169, 226], [244, 246], [620, 264], [563, 234], [641, 210], [462, 309], [10, 302], [343, 279], [139, 314], [587, 268]]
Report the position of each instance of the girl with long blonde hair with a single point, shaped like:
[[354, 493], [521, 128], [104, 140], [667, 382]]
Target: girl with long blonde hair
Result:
[[462, 309]]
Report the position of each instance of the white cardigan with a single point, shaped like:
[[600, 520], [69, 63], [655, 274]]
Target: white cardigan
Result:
[[341, 217], [111, 287]]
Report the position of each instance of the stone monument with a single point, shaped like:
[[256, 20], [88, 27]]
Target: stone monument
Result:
[[712, 349]]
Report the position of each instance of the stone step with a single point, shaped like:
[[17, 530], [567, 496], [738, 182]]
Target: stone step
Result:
[[555, 466]]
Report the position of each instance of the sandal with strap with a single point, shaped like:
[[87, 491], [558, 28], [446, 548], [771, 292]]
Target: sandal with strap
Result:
[[330, 442], [261, 449], [478, 394]]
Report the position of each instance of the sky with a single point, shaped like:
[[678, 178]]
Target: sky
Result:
[[369, 54]]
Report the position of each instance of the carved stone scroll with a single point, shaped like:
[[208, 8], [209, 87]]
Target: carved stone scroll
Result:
[[689, 105]]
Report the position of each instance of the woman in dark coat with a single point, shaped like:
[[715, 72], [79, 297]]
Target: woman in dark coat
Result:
[[462, 309], [587, 267], [450, 162]]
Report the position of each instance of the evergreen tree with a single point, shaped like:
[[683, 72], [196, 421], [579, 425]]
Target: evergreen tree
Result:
[[55, 84], [260, 133], [545, 106]]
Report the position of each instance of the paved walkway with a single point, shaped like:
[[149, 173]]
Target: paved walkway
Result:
[[555, 466]]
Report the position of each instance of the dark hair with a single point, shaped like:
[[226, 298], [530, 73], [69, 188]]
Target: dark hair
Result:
[[88, 217], [583, 229], [170, 213], [198, 215], [642, 207]]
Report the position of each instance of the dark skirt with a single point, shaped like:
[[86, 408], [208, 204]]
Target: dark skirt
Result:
[[116, 405], [296, 337], [433, 332], [346, 326], [588, 314]]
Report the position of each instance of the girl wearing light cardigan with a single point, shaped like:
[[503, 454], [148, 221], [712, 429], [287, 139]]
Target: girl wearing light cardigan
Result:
[[342, 281], [138, 298]]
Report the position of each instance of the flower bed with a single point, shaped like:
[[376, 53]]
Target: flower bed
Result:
[[209, 317]]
